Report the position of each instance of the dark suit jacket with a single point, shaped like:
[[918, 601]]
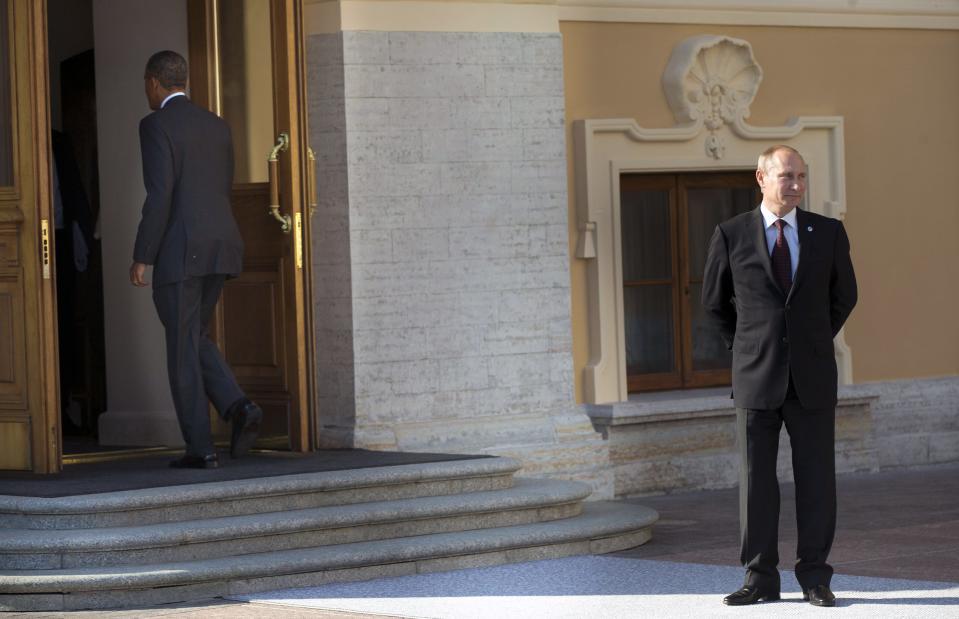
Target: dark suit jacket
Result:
[[187, 228], [772, 335]]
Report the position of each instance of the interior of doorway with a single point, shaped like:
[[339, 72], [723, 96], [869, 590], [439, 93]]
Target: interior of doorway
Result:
[[121, 358], [79, 257], [136, 410]]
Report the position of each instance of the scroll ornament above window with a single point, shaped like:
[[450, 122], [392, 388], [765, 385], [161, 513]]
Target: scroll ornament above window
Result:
[[710, 81]]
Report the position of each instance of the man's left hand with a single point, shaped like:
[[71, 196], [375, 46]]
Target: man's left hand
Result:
[[137, 270]]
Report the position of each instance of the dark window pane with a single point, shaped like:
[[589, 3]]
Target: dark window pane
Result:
[[647, 246], [707, 208], [6, 115], [648, 313], [709, 351]]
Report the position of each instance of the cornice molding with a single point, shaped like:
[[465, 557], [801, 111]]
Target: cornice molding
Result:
[[545, 15], [920, 14]]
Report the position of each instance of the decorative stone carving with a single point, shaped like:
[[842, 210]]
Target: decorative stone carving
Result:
[[711, 80]]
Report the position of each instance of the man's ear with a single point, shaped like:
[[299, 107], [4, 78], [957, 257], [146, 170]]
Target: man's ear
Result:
[[759, 176]]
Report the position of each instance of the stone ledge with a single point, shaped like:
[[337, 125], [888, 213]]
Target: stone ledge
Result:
[[694, 404]]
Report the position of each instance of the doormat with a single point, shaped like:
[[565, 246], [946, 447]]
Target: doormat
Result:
[[154, 471]]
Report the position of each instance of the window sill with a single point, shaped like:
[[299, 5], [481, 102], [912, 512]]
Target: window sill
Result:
[[645, 408]]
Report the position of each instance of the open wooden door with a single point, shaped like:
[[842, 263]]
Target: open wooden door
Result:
[[29, 410], [246, 61]]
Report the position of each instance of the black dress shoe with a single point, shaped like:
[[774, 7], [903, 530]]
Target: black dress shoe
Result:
[[820, 595], [246, 417], [750, 595], [208, 461]]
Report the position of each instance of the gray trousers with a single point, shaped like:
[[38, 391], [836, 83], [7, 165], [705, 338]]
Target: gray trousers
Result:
[[197, 371]]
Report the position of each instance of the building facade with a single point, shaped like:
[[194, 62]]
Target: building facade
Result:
[[469, 282]]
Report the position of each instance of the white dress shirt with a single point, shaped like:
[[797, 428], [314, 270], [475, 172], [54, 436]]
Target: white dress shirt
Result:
[[790, 231], [170, 96]]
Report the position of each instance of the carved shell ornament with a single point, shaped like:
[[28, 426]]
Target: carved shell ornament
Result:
[[712, 79]]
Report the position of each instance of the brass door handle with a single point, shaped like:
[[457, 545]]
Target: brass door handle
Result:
[[311, 176], [286, 222]]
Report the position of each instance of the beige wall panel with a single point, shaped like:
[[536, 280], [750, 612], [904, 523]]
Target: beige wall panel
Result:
[[897, 90]]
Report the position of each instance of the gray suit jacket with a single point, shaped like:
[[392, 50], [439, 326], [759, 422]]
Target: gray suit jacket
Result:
[[187, 227], [772, 335]]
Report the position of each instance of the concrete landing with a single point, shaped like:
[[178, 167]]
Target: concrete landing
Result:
[[612, 588]]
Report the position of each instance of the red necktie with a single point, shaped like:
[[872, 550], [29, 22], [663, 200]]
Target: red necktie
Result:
[[782, 262]]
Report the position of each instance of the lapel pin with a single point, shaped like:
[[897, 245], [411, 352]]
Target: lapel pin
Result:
[[808, 228]]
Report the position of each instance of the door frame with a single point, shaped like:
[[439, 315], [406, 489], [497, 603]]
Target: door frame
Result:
[[30, 439]]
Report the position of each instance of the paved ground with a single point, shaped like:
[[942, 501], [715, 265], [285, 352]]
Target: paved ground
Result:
[[610, 588], [899, 524]]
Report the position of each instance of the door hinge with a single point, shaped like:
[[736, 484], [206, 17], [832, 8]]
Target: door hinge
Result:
[[298, 240], [45, 246]]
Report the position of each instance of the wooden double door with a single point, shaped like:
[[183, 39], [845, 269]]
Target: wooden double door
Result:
[[263, 321]]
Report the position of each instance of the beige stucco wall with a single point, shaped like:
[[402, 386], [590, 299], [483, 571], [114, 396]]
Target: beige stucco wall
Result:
[[898, 91]]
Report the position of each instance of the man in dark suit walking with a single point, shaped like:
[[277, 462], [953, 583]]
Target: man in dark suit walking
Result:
[[779, 285], [187, 232]]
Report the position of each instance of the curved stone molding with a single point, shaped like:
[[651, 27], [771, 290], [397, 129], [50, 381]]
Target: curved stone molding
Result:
[[712, 79], [606, 148]]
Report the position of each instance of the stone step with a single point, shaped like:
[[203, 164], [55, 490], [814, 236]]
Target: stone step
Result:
[[528, 501], [256, 496], [600, 528]]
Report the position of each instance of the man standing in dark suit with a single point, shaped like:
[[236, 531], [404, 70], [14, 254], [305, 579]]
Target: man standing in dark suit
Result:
[[779, 285], [187, 232]]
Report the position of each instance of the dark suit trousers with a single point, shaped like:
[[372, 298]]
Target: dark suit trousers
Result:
[[812, 437], [197, 370]]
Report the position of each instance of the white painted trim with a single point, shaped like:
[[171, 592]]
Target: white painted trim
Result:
[[606, 148], [919, 14], [859, 7]]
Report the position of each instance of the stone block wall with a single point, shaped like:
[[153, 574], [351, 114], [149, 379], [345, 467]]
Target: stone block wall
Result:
[[688, 443], [917, 421], [445, 273], [330, 243]]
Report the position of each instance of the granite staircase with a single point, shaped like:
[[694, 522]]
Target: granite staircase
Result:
[[138, 548]]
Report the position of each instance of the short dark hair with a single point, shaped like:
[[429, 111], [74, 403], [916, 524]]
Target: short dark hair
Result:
[[169, 68]]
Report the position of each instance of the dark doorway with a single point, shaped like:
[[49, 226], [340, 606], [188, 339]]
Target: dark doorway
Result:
[[76, 212]]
